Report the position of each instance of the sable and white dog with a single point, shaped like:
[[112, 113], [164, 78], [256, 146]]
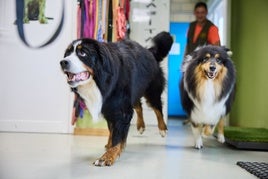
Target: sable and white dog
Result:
[[207, 90]]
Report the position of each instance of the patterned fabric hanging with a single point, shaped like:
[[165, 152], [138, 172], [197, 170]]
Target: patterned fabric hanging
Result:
[[89, 23], [99, 35], [121, 24], [104, 20]]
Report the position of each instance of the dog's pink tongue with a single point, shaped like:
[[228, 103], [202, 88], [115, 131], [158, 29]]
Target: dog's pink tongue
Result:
[[81, 76]]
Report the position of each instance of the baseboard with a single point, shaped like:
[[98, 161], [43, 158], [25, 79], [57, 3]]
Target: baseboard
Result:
[[91, 131]]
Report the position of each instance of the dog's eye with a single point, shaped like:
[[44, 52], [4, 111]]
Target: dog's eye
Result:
[[81, 53], [205, 59], [219, 61]]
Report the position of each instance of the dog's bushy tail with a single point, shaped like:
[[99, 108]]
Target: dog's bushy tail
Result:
[[162, 43]]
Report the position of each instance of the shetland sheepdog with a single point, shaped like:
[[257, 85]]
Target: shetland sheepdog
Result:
[[207, 90]]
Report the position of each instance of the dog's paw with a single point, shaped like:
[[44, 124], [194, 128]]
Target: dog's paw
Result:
[[163, 133], [199, 143], [221, 138], [103, 162], [141, 130], [109, 157]]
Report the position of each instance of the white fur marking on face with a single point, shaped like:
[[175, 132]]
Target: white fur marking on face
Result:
[[93, 98], [77, 66]]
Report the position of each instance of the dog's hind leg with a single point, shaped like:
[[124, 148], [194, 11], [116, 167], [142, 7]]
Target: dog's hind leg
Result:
[[140, 122], [197, 132], [161, 123], [153, 96], [154, 100], [221, 138]]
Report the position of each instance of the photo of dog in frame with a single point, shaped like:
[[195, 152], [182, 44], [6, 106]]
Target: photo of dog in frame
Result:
[[207, 90], [35, 10], [111, 78]]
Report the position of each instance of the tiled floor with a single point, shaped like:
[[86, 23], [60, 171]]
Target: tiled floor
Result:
[[57, 156]]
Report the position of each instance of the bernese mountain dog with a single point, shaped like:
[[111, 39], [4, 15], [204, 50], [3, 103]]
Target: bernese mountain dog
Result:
[[207, 90], [112, 77]]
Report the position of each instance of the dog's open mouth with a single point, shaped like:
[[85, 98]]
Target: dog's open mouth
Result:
[[82, 76], [211, 75]]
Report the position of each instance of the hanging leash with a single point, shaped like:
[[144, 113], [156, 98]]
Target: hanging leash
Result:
[[19, 22]]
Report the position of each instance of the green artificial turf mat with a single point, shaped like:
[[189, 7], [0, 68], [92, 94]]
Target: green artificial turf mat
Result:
[[246, 134], [247, 138]]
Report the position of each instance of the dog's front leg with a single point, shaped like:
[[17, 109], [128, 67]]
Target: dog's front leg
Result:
[[109, 143], [109, 157], [117, 140], [221, 137], [197, 132]]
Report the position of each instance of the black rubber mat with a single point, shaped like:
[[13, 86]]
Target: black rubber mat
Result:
[[259, 169]]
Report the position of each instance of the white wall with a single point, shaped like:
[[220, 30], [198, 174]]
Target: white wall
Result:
[[218, 14], [34, 96], [182, 10]]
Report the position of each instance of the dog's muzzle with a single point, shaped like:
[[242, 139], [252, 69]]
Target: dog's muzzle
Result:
[[71, 76], [211, 73]]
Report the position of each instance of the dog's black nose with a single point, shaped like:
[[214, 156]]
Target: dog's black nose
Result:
[[212, 68], [64, 64]]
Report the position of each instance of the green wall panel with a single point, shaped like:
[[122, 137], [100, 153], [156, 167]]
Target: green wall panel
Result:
[[249, 43]]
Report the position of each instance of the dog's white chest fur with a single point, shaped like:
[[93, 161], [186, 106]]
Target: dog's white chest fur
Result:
[[208, 109], [93, 98]]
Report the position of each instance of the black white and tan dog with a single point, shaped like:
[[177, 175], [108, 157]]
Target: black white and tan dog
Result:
[[111, 78], [207, 90]]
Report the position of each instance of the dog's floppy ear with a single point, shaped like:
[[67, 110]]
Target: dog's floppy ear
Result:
[[105, 58]]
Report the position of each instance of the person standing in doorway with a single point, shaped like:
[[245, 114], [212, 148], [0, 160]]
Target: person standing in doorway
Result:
[[201, 31]]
